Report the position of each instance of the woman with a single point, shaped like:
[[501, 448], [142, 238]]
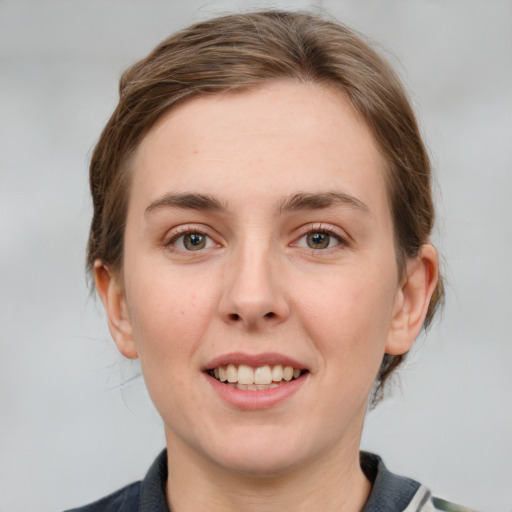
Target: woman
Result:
[[260, 241]]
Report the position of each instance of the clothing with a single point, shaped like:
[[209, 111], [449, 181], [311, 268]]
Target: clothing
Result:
[[390, 493]]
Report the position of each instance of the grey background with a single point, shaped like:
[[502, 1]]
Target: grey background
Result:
[[70, 431]]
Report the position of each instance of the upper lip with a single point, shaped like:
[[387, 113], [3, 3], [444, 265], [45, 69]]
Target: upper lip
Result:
[[254, 360]]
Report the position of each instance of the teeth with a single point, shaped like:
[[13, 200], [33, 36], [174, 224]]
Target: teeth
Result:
[[277, 373], [231, 373], [288, 373], [253, 387], [245, 374], [262, 377]]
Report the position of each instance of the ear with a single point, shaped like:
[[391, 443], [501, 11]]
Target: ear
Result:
[[412, 300], [111, 292]]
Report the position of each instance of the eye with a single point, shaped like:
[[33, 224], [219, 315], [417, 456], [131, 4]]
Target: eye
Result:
[[192, 241], [319, 240]]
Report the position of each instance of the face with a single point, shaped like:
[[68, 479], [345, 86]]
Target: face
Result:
[[259, 286]]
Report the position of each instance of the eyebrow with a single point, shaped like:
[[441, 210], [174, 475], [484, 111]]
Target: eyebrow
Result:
[[295, 202], [311, 201], [201, 202]]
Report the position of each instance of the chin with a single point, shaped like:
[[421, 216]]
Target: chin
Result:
[[259, 455], [259, 464]]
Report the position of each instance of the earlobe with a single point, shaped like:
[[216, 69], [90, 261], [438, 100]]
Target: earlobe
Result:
[[113, 298], [413, 300]]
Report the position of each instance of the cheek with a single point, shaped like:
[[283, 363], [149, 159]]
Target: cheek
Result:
[[348, 315], [170, 314]]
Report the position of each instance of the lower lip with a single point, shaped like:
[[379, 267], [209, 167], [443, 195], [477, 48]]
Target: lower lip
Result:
[[249, 399]]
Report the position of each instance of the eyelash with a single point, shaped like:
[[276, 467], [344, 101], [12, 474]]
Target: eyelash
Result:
[[341, 241], [182, 232]]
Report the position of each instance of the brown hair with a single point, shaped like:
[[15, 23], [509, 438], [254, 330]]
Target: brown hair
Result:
[[241, 51]]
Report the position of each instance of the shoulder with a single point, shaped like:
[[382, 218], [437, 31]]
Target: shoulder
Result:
[[395, 493], [423, 501], [123, 500]]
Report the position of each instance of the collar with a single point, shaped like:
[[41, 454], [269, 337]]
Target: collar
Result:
[[389, 492]]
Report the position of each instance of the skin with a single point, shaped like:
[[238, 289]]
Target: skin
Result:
[[258, 286]]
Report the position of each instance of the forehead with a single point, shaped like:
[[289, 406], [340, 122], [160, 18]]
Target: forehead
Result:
[[282, 137]]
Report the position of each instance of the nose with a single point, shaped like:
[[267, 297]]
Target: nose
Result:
[[253, 296]]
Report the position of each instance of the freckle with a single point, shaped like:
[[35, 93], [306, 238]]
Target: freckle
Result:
[[182, 312]]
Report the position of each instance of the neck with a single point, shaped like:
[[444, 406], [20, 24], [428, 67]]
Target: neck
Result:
[[334, 483]]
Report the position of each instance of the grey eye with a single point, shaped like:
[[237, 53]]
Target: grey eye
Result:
[[318, 240], [194, 241]]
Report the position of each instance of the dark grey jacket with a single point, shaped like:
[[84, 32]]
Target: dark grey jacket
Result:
[[390, 493]]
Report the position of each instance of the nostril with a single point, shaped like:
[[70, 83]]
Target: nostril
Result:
[[234, 316], [270, 314]]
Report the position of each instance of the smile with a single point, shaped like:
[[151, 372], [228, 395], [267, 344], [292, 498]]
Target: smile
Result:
[[255, 378]]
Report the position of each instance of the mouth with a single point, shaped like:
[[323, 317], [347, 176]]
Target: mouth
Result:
[[267, 376]]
